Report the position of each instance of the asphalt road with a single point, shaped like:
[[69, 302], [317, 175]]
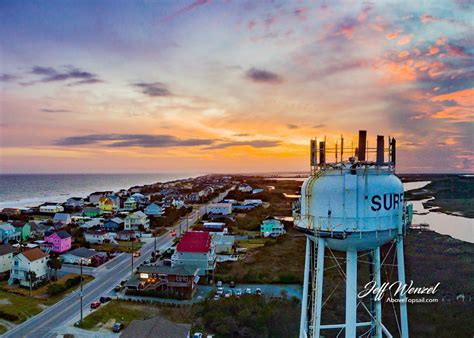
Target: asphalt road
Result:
[[46, 323]]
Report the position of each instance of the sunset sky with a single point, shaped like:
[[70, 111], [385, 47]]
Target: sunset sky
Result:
[[231, 86]]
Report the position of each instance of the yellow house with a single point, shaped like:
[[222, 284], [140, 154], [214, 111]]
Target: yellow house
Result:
[[106, 204]]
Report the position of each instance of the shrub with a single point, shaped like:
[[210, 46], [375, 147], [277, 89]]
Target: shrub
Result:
[[8, 316], [55, 289]]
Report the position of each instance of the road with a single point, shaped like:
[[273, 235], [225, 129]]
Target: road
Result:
[[67, 310]]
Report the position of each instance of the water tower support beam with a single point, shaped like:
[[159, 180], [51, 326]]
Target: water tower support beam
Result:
[[319, 287], [351, 294], [304, 299], [401, 279], [378, 303]]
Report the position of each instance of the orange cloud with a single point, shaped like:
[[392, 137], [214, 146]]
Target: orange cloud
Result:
[[462, 111], [404, 40], [433, 50], [404, 53], [392, 36]]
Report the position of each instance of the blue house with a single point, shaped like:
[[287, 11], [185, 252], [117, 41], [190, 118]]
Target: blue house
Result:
[[8, 232], [153, 210], [113, 225]]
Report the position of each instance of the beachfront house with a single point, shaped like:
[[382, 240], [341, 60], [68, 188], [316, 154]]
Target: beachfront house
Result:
[[106, 204], [115, 200], [60, 241], [6, 259], [80, 254], [62, 218], [153, 210], [33, 260], [113, 224], [130, 204], [95, 196], [51, 208], [196, 250], [219, 208], [91, 212], [75, 202], [9, 233], [272, 228], [97, 236], [23, 228], [136, 221]]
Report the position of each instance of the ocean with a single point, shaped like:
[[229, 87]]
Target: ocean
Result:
[[27, 190]]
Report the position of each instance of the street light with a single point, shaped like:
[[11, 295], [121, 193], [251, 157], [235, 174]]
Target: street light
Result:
[[80, 293]]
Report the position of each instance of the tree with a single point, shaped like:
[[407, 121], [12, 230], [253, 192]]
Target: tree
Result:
[[55, 264], [31, 276]]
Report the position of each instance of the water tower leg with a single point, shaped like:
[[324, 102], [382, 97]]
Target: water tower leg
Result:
[[304, 299], [351, 294], [401, 278], [319, 287], [378, 303]]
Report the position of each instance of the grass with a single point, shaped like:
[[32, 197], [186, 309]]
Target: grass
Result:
[[253, 243], [118, 311], [122, 246], [3, 329], [16, 301]]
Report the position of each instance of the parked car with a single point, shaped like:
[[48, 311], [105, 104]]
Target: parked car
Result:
[[238, 292], [197, 335], [118, 288], [258, 291], [232, 284], [227, 295], [95, 305], [219, 283], [248, 291], [105, 299], [117, 327]]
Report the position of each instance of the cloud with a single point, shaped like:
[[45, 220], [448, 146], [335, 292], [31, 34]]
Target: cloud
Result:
[[153, 89], [186, 9], [7, 77], [132, 140], [252, 143], [317, 126], [261, 75], [48, 110], [241, 135], [292, 126], [50, 74]]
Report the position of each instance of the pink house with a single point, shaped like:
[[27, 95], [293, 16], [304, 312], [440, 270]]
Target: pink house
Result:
[[60, 241]]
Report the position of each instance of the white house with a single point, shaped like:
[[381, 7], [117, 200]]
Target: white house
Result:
[[130, 204], [92, 223], [75, 202], [6, 259], [75, 256], [51, 209], [33, 260], [62, 218], [245, 187], [223, 243], [98, 236], [220, 208], [135, 219]]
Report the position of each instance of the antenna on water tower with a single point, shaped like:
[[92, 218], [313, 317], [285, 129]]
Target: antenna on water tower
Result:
[[350, 206]]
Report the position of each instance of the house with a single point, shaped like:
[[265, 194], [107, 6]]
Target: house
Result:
[[223, 244], [95, 222], [75, 202], [130, 204], [252, 202], [115, 200], [23, 228], [6, 259], [95, 196], [156, 327], [32, 260], [245, 188], [97, 236], [11, 211], [135, 220], [194, 197], [272, 228], [179, 282], [60, 241], [153, 209], [9, 233], [219, 208], [62, 218], [106, 204], [125, 235], [51, 209], [214, 227], [80, 254], [178, 204], [113, 224], [91, 212], [197, 250], [139, 198]]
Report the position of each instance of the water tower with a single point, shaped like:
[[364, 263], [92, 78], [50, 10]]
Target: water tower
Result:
[[354, 205]]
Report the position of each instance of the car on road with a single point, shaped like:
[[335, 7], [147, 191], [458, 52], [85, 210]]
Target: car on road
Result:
[[258, 291], [136, 254], [118, 288], [248, 291], [95, 305], [173, 233], [232, 284], [105, 299], [117, 327], [238, 292]]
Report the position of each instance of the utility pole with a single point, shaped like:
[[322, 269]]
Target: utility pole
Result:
[[80, 294], [132, 261]]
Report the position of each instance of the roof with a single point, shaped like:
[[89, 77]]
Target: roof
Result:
[[63, 234], [34, 254], [105, 200], [6, 227], [83, 253], [194, 241], [183, 270], [6, 249], [61, 215], [18, 224], [156, 327], [137, 214], [91, 209]]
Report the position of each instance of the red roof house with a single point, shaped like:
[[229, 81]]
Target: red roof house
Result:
[[194, 241]]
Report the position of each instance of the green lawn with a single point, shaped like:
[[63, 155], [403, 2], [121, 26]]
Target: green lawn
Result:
[[118, 311], [123, 246]]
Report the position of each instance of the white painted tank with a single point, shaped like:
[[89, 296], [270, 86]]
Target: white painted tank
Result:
[[354, 209]]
